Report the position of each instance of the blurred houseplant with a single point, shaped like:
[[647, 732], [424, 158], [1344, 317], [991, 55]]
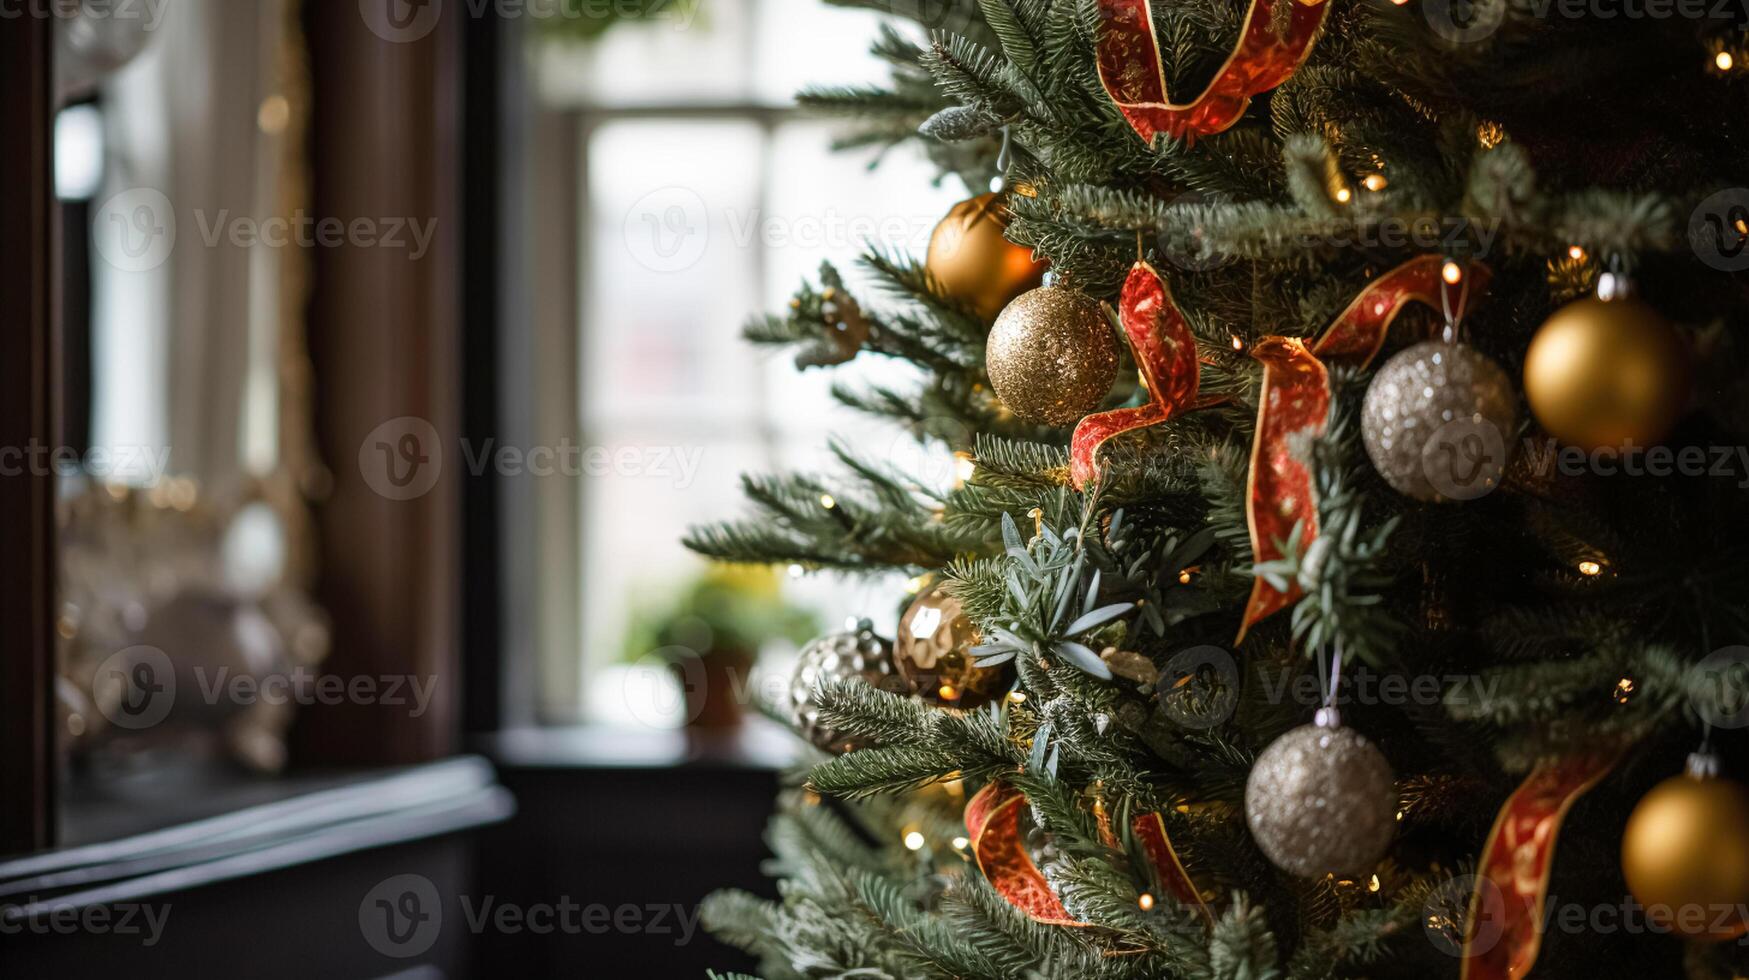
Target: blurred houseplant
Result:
[[709, 633]]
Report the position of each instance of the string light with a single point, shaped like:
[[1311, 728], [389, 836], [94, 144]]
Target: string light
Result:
[[1372, 884], [914, 840], [1724, 61], [1343, 194], [1624, 689], [827, 502], [963, 467], [1017, 697], [1374, 182], [796, 571], [1237, 343], [1184, 577], [961, 843], [1575, 253], [1452, 273], [1146, 901], [947, 692], [1590, 568], [1490, 135]]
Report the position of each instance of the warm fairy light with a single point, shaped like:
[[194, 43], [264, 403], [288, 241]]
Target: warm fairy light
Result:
[[947, 692], [1575, 253], [1017, 697], [1399, 816], [1624, 689], [1184, 577], [1146, 901], [1452, 273], [827, 502], [1724, 60], [796, 571], [1374, 182], [961, 843], [914, 840], [1490, 135], [1237, 343], [1590, 568], [963, 466], [1343, 194]]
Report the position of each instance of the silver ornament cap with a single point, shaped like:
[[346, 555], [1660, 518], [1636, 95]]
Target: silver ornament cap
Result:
[[1437, 420], [1322, 800]]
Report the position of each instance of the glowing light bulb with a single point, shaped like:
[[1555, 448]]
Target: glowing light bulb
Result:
[[1374, 182], [1575, 253], [914, 840], [1343, 195], [1590, 568], [1017, 697], [1724, 60], [1146, 901], [1452, 273], [827, 502]]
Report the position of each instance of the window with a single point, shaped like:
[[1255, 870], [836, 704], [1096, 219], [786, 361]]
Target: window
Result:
[[703, 198]]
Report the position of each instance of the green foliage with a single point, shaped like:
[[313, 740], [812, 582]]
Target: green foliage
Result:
[[1391, 141]]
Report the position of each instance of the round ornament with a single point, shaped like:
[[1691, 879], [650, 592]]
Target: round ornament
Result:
[[1051, 356], [854, 653], [1607, 371], [1322, 800], [974, 263], [934, 653], [1685, 853], [1437, 421]]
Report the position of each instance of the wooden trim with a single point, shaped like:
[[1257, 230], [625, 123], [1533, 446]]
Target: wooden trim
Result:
[[29, 365], [366, 812], [385, 344]]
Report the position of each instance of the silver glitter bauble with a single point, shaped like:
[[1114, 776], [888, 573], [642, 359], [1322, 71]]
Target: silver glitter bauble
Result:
[[856, 653], [1322, 800], [1436, 422]]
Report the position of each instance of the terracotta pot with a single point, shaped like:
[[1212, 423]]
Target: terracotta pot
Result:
[[714, 685]]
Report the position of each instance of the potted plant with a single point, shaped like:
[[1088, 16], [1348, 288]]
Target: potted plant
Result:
[[709, 633]]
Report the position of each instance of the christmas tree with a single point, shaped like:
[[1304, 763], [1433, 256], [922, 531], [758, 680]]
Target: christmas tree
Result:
[[1344, 576]]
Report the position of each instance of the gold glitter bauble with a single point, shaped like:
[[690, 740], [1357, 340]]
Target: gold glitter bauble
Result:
[[1051, 356], [933, 653], [974, 263], [1322, 800], [1607, 373], [1685, 855]]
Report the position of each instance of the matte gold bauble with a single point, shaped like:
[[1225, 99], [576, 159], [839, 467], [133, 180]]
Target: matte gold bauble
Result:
[[1051, 356], [1606, 374], [1685, 854], [934, 656], [974, 263]]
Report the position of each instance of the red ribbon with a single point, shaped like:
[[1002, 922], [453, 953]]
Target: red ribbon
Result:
[[1267, 55], [993, 824], [1296, 397], [1503, 938], [1165, 350]]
